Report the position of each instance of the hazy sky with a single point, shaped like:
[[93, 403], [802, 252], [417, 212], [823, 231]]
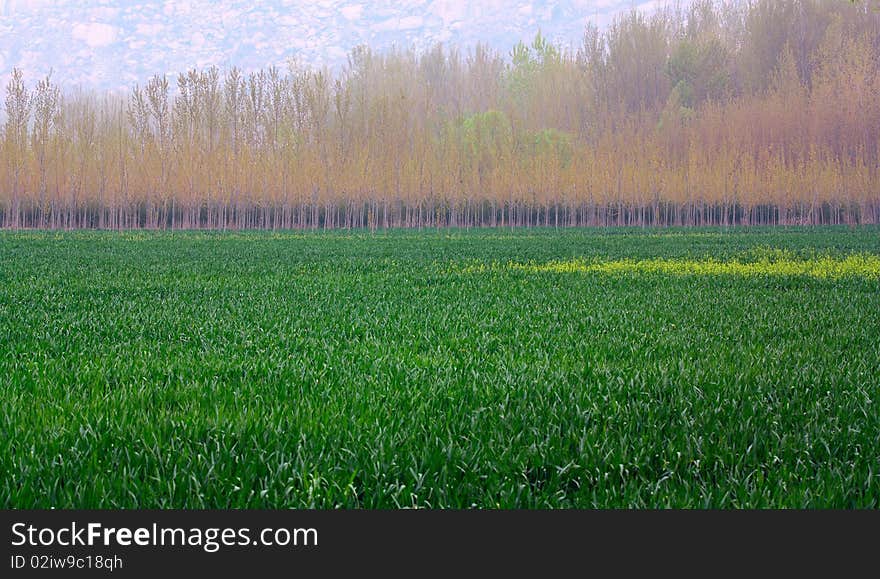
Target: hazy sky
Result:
[[112, 45]]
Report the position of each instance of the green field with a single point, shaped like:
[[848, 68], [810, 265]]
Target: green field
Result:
[[433, 369]]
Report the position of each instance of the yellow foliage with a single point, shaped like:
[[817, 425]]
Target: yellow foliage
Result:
[[777, 263]]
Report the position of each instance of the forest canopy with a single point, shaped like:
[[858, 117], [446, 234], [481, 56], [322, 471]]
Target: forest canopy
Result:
[[711, 113]]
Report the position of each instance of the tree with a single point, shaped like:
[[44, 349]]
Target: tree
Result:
[[18, 113], [47, 112]]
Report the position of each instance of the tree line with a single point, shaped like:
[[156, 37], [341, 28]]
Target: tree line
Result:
[[717, 113]]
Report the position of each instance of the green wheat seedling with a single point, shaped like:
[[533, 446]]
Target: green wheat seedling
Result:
[[444, 370]]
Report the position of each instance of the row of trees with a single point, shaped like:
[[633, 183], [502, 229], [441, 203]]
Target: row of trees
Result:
[[730, 113]]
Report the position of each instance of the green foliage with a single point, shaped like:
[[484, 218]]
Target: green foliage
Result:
[[527, 64], [288, 370], [676, 112], [486, 138], [486, 133], [550, 143], [697, 70]]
